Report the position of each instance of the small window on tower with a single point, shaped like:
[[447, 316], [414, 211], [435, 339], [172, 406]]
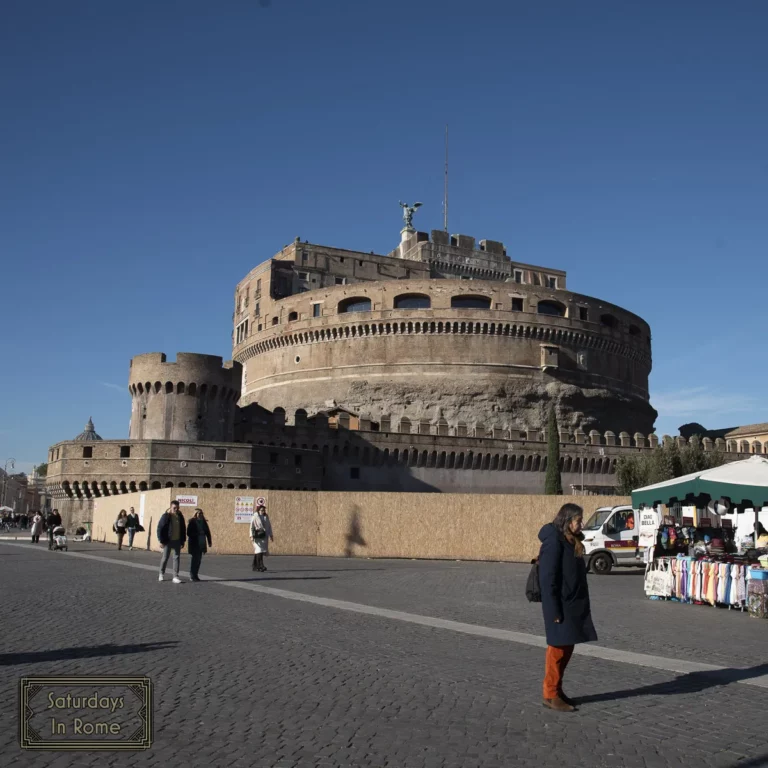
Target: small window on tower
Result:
[[517, 305], [273, 458], [316, 310], [220, 454], [583, 313], [125, 451], [88, 452]]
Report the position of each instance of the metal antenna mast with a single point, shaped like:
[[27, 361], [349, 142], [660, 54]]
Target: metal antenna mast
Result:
[[445, 193]]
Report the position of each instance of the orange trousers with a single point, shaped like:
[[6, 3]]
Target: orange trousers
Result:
[[558, 657]]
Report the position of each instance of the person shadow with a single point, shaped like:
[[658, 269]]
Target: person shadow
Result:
[[354, 536], [692, 682]]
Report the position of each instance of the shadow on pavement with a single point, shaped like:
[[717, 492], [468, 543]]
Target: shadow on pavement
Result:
[[754, 762], [81, 652], [693, 682], [269, 578]]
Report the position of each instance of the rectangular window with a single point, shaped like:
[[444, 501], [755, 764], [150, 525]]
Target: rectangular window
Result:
[[583, 313], [125, 451], [316, 310], [354, 473], [517, 305], [518, 276], [220, 454], [88, 452], [273, 458], [341, 260], [258, 287], [303, 276], [339, 281], [245, 300], [304, 257], [297, 460], [360, 263], [551, 282], [257, 309]]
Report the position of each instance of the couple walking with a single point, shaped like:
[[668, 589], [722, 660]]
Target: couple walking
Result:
[[173, 532]]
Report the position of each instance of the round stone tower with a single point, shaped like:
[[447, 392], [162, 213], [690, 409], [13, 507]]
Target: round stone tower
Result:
[[193, 399]]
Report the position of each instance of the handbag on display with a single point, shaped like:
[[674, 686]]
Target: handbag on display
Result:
[[658, 579]]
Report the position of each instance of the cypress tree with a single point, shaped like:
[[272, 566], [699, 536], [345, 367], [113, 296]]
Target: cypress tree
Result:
[[553, 485]]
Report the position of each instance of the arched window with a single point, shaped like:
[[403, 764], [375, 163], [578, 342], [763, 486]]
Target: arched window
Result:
[[355, 304], [551, 308], [634, 330], [293, 316], [412, 301], [275, 320], [470, 302], [609, 321]]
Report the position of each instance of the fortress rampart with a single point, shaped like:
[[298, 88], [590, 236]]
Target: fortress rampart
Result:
[[470, 349], [193, 398]]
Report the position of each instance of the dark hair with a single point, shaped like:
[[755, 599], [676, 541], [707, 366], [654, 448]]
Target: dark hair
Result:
[[563, 518], [260, 507], [760, 529], [175, 502]]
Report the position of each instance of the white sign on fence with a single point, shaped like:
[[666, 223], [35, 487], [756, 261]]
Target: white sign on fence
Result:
[[243, 509], [141, 509], [187, 501]]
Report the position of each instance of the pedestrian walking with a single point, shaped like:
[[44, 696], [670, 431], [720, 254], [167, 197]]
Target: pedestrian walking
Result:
[[198, 541], [564, 599], [132, 525], [261, 535], [120, 527], [54, 519], [37, 527], [172, 534]]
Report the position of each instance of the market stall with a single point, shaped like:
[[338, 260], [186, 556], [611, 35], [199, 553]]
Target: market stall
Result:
[[696, 558]]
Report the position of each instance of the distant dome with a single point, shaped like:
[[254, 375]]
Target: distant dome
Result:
[[88, 434]]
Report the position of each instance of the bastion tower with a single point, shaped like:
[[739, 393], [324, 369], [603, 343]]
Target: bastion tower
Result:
[[193, 399], [444, 330]]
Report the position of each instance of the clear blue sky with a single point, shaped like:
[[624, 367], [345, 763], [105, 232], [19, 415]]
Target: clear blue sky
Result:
[[152, 152]]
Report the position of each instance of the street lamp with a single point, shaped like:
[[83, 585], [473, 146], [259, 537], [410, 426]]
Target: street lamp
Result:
[[12, 462]]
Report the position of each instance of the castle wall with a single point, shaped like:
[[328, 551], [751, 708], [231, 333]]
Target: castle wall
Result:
[[194, 398], [472, 363], [413, 525]]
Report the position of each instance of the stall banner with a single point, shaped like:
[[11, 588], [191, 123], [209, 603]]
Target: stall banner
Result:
[[687, 521], [705, 522], [727, 523], [244, 509], [187, 501], [649, 525]]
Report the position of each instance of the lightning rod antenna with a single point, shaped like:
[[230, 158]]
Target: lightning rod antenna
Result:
[[445, 192]]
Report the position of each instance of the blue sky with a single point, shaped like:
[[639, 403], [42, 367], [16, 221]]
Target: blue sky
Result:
[[152, 152]]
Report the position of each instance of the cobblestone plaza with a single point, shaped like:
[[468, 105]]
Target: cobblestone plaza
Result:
[[341, 663]]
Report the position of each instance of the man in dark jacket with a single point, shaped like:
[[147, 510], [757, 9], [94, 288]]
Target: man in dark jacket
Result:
[[198, 541], [564, 599], [53, 520], [171, 533]]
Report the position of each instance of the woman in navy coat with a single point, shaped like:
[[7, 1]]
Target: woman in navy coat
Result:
[[564, 599]]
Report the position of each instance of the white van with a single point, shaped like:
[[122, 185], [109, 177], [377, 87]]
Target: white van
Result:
[[611, 538]]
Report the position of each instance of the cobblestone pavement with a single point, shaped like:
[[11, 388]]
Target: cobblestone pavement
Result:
[[249, 679]]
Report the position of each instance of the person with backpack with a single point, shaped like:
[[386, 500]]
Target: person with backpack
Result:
[[564, 600]]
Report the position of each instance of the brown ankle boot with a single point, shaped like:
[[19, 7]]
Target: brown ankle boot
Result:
[[558, 705]]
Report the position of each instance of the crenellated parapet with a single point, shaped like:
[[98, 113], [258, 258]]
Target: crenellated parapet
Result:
[[193, 398]]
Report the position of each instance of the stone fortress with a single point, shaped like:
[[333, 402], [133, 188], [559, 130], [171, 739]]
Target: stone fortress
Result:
[[431, 368]]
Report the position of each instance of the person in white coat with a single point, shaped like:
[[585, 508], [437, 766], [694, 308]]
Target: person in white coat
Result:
[[37, 527], [261, 535]]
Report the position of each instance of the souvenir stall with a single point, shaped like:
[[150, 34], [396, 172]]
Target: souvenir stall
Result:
[[695, 558]]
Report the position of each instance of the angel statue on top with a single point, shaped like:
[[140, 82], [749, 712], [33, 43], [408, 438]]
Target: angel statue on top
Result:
[[408, 211]]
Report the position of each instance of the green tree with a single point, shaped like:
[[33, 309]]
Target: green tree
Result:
[[553, 485], [42, 470], [665, 462]]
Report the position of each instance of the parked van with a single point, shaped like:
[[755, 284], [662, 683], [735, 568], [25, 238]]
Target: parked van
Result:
[[611, 538]]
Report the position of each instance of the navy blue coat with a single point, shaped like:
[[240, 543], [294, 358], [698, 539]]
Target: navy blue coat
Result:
[[164, 528], [564, 591]]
